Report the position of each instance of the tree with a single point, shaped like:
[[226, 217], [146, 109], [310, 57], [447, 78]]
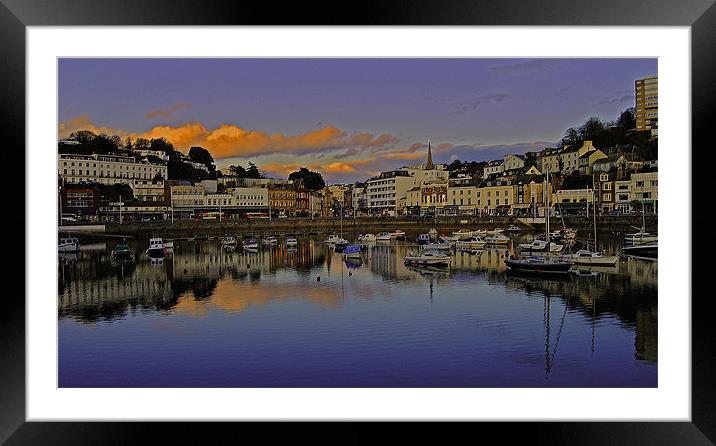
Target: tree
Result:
[[82, 136], [238, 171], [201, 155], [311, 180], [128, 144], [141, 144], [571, 137], [161, 144], [591, 129], [253, 172], [627, 119]]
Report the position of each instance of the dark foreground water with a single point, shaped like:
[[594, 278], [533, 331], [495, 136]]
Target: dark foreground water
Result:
[[207, 317]]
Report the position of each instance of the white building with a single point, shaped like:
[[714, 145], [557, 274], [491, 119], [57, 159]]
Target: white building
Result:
[[107, 169], [148, 191], [188, 196], [250, 197], [161, 154]]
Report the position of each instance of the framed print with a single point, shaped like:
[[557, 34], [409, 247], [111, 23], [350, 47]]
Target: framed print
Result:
[[358, 223]]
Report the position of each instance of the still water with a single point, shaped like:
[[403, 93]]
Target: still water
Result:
[[207, 317]]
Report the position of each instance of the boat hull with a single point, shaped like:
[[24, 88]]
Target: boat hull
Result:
[[538, 267], [596, 261]]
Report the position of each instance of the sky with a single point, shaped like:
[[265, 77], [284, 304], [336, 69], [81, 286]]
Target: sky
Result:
[[347, 118]]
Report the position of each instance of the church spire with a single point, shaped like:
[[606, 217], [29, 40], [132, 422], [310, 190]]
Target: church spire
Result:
[[429, 165]]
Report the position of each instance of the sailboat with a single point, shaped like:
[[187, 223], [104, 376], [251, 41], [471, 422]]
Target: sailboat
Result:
[[542, 264], [592, 258], [642, 237], [341, 243]]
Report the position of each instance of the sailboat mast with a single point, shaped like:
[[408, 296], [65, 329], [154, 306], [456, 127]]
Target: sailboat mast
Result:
[[595, 218], [546, 226]]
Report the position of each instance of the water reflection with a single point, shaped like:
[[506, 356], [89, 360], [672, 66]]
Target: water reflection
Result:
[[481, 304]]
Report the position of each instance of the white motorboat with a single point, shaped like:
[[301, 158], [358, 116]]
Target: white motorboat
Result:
[[495, 231], [640, 238], [333, 238], [270, 240], [156, 247], [383, 236], [398, 234], [428, 258], [514, 228], [463, 234], [497, 239], [251, 244], [449, 238], [291, 242], [367, 238], [68, 244], [437, 246], [479, 232], [586, 257], [471, 243], [229, 240], [539, 246]]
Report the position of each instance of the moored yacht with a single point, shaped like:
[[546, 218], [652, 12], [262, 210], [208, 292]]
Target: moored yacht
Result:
[[586, 257], [428, 258], [156, 247], [68, 244], [463, 234]]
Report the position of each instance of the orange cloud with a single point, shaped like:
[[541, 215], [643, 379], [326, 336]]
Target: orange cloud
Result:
[[229, 140], [159, 113]]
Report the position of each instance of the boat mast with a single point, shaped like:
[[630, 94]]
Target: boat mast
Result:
[[546, 226], [595, 219]]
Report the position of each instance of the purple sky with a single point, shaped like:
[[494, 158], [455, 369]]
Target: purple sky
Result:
[[329, 114]]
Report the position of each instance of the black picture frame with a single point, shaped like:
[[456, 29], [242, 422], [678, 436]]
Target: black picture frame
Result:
[[16, 15]]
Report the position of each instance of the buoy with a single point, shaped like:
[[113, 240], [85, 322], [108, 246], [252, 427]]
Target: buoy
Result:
[[318, 279]]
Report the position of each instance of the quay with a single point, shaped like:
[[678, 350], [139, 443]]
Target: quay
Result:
[[206, 229]]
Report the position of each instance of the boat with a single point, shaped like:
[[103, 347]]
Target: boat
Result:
[[436, 246], [270, 240], [428, 258], [422, 239], [352, 252], [463, 234], [433, 234], [513, 229], [539, 246], [449, 238], [122, 251], [479, 232], [229, 240], [586, 257], [471, 243], [383, 236], [291, 242], [366, 237], [398, 234], [646, 250], [341, 244], [68, 244], [468, 250], [333, 238], [251, 244], [640, 238], [540, 264], [497, 239], [495, 231], [156, 247], [168, 245]]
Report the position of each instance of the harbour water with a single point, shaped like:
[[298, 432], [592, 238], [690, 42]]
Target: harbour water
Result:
[[205, 316]]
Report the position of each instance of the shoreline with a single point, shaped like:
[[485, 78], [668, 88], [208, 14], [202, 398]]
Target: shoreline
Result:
[[324, 225]]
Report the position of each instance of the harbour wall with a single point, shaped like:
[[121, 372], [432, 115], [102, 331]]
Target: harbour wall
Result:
[[301, 226]]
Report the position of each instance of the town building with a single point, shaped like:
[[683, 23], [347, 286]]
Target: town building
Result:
[[107, 169], [250, 198], [569, 157], [79, 200], [647, 103], [587, 160], [148, 191], [643, 188]]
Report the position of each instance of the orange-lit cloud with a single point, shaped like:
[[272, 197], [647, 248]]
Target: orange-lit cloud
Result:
[[403, 155], [229, 140], [163, 113]]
